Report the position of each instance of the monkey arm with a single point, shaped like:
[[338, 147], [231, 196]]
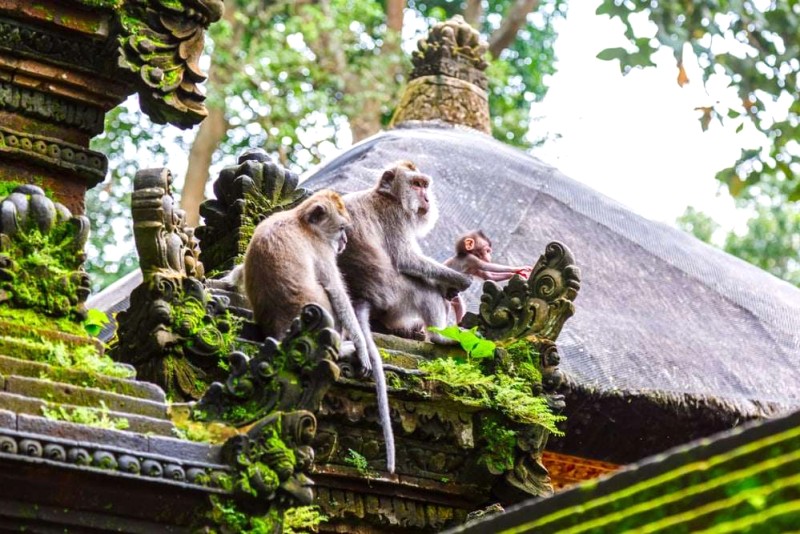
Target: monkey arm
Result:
[[458, 308], [428, 269], [497, 267]]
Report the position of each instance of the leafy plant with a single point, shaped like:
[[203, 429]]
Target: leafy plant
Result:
[[98, 418], [357, 460], [470, 340]]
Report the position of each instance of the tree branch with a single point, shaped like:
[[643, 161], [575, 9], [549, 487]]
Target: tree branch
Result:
[[473, 12], [512, 22]]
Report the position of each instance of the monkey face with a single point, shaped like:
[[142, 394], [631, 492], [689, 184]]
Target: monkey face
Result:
[[326, 216], [483, 250]]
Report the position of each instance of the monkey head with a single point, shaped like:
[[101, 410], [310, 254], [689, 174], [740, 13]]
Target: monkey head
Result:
[[325, 216], [411, 189], [475, 243]]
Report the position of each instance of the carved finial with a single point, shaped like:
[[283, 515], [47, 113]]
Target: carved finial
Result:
[[453, 48], [448, 82]]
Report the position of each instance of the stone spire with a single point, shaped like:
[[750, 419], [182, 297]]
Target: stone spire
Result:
[[448, 82]]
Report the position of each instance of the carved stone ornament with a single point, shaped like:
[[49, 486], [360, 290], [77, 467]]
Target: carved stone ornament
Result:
[[272, 459], [452, 48], [174, 331], [41, 254], [538, 306], [448, 82], [246, 194], [161, 41], [293, 374], [86, 457]]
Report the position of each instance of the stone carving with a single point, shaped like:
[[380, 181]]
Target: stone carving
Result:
[[45, 106], [536, 307], [245, 194], [41, 254], [290, 375], [89, 164], [37, 42], [174, 332], [448, 82], [89, 456], [161, 42], [452, 48], [272, 458]]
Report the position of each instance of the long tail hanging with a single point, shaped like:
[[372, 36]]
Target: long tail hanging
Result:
[[380, 388]]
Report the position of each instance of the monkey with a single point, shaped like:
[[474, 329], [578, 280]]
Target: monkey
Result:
[[290, 262], [390, 279], [474, 257]]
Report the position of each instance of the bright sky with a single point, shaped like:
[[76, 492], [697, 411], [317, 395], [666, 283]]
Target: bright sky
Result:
[[635, 138]]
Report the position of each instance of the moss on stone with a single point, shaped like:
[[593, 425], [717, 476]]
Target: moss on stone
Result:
[[94, 417]]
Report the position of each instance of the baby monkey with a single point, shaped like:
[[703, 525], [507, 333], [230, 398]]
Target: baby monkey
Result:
[[474, 257]]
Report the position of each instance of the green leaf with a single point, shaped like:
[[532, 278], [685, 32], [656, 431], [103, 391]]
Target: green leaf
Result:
[[470, 340], [612, 53], [94, 322]]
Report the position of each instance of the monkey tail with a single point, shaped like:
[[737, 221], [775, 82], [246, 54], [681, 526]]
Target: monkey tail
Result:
[[383, 404], [362, 315]]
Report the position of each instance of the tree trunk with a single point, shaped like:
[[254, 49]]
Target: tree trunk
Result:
[[394, 15], [211, 133], [512, 22], [473, 13]]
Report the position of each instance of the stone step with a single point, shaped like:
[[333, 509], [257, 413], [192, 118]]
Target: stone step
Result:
[[130, 388], [80, 396], [185, 451], [136, 423]]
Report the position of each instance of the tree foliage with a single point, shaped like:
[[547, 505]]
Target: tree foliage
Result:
[[755, 44], [303, 79], [772, 239]]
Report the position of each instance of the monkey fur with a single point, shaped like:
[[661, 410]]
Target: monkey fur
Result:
[[291, 262], [474, 257], [388, 275]]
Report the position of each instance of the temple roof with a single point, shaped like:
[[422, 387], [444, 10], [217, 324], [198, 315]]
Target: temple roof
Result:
[[740, 481], [660, 314]]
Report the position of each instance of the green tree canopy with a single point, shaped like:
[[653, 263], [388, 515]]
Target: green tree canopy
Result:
[[755, 45]]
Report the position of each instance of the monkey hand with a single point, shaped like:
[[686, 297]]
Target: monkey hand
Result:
[[364, 366], [462, 282], [524, 272], [450, 293]]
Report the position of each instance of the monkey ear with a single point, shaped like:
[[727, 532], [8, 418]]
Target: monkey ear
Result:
[[469, 243], [386, 181], [315, 214]]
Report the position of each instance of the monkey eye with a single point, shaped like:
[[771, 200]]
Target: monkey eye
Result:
[[418, 183]]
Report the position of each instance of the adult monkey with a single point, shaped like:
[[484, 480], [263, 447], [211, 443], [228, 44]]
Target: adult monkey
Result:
[[291, 262], [390, 279]]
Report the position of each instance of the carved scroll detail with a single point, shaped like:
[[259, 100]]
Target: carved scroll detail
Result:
[[41, 254], [162, 41], [246, 194], [536, 307], [174, 332], [293, 374]]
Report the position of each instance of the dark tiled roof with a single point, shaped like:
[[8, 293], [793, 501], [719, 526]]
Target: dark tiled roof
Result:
[[659, 312], [742, 481]]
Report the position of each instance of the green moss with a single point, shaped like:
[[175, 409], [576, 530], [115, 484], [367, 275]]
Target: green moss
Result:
[[468, 382], [357, 460], [59, 354], [302, 519], [27, 318], [43, 270], [94, 417], [501, 443]]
